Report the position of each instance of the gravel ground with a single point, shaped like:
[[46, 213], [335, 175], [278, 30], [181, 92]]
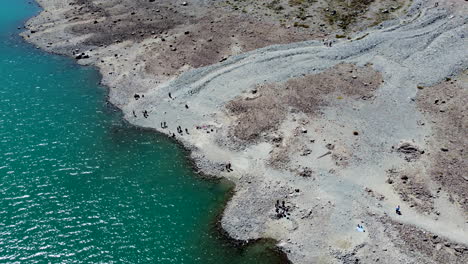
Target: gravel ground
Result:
[[348, 152]]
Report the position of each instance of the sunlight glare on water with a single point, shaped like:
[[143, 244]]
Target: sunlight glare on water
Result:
[[79, 185]]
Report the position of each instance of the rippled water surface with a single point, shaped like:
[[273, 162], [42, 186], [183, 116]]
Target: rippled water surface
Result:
[[78, 185]]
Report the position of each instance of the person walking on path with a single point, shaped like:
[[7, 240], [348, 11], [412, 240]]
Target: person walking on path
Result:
[[397, 210]]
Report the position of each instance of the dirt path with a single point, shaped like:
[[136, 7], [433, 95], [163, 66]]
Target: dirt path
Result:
[[421, 50], [318, 160]]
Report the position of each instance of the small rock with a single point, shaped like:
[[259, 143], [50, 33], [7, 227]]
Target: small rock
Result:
[[330, 146], [459, 249], [306, 172]]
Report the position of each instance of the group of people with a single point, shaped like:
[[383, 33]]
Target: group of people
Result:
[[328, 43], [145, 114], [360, 228], [180, 131], [281, 209], [207, 128]]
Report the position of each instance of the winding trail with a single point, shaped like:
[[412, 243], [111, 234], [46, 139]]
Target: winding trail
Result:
[[422, 48]]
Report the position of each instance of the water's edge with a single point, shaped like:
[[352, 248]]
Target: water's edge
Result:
[[269, 243]]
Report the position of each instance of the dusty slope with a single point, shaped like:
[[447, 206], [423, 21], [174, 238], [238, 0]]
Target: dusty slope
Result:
[[359, 116]]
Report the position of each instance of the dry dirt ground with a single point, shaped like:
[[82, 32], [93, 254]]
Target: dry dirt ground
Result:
[[331, 113], [442, 164], [424, 245], [161, 39], [265, 107]]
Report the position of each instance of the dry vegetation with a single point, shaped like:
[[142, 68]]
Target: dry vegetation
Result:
[[424, 245], [199, 34], [323, 16], [265, 110], [412, 186], [175, 37], [111, 22], [445, 106]]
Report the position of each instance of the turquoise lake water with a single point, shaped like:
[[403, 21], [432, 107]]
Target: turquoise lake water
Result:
[[79, 185]]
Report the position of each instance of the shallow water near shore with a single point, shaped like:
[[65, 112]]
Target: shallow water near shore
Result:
[[78, 184]]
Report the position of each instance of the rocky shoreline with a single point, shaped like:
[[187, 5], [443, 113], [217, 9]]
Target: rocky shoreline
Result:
[[305, 109]]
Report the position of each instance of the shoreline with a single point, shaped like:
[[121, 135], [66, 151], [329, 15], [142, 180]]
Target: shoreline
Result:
[[223, 235], [216, 221], [207, 153]]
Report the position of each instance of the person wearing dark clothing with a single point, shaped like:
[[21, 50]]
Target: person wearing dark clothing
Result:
[[397, 210]]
